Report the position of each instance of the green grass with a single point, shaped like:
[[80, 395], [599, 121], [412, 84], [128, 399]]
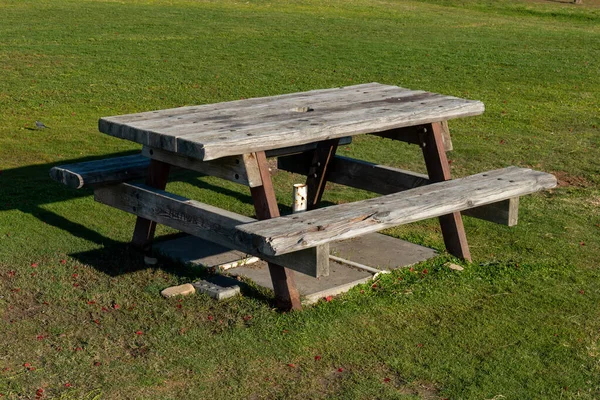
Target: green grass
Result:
[[522, 321]]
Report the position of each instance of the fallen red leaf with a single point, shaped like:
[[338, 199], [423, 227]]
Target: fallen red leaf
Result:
[[420, 345], [40, 337], [317, 358], [340, 369], [68, 385], [97, 363], [27, 365], [328, 298], [386, 380], [34, 265], [91, 302], [247, 317], [116, 306], [425, 271], [63, 261], [210, 318], [292, 365], [11, 274], [139, 332]]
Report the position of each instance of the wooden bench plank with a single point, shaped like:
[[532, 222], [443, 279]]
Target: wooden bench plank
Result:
[[205, 221], [105, 171], [386, 180], [300, 231]]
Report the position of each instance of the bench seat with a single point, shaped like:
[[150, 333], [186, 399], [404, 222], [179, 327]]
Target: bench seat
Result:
[[99, 172], [316, 227]]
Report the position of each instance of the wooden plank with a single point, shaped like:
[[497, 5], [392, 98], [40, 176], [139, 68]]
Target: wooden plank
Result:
[[312, 228], [270, 123], [230, 168], [386, 180], [198, 219], [358, 174], [287, 296], [143, 233], [105, 171], [438, 170]]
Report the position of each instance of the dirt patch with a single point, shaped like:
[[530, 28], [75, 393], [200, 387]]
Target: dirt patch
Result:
[[424, 390], [566, 180]]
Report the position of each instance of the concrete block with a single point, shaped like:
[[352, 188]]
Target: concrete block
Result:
[[215, 291]]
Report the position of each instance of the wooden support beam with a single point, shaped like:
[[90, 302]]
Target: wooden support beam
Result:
[[202, 220], [232, 168], [302, 148], [386, 180], [414, 134], [265, 205], [318, 171], [143, 234], [438, 170]]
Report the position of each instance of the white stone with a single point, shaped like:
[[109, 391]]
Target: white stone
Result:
[[181, 290], [453, 266]]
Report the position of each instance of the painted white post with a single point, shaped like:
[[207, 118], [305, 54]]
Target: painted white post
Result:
[[300, 193]]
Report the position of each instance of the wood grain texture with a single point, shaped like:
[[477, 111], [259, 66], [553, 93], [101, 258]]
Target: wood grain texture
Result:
[[299, 231], [98, 172], [199, 219], [386, 180], [230, 168], [217, 130]]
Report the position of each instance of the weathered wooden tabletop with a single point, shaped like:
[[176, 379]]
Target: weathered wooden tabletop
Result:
[[213, 131]]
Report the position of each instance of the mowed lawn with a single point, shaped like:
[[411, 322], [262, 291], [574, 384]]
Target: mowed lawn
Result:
[[81, 317]]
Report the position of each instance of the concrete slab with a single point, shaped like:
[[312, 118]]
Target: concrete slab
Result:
[[196, 251], [374, 250], [381, 251]]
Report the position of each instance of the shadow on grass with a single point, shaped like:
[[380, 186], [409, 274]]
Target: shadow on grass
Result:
[[28, 188]]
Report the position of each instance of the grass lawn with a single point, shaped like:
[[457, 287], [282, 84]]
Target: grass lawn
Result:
[[80, 315]]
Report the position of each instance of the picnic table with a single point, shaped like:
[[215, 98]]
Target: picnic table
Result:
[[232, 140]]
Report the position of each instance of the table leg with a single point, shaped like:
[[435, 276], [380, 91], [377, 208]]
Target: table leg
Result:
[[317, 173], [143, 234], [265, 205], [438, 169]]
